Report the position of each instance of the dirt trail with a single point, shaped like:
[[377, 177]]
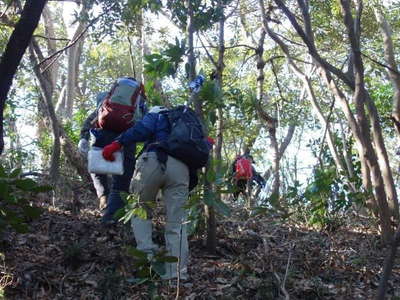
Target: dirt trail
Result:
[[71, 256]]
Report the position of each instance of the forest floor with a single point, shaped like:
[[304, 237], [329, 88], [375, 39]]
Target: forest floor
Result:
[[71, 256]]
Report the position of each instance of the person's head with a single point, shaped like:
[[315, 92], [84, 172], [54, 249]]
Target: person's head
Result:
[[157, 109]]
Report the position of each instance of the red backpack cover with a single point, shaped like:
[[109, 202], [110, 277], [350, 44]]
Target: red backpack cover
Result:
[[117, 112], [243, 169]]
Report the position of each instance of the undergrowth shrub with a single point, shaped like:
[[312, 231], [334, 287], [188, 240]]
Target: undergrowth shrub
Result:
[[16, 193]]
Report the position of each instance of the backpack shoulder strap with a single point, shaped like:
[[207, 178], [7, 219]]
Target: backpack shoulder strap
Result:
[[138, 91]]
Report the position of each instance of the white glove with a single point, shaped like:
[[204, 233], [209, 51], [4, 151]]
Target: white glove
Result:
[[83, 146]]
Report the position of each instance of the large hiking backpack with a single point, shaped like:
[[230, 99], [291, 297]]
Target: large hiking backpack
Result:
[[186, 141], [243, 169], [122, 105]]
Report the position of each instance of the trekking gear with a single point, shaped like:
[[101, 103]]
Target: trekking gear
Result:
[[210, 140], [186, 141], [243, 169], [157, 109], [196, 84], [108, 151], [97, 164], [122, 106]]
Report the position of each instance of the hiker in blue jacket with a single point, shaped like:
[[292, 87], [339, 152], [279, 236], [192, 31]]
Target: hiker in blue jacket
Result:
[[156, 170]]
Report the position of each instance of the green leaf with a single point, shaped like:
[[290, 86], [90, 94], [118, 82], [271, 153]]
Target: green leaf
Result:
[[20, 227], [168, 259], [140, 212], [274, 200], [158, 267], [160, 254], [136, 253], [211, 176], [144, 273], [119, 213], [42, 189], [33, 212], [15, 173], [25, 184], [222, 208], [4, 190], [127, 217], [219, 206], [124, 196], [2, 172]]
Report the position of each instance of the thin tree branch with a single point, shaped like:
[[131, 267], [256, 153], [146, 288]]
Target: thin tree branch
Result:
[[326, 127], [75, 1], [228, 15], [240, 45], [5, 11], [208, 53], [276, 79], [229, 47], [381, 64], [311, 47], [6, 21], [388, 266], [289, 40], [50, 38], [74, 41]]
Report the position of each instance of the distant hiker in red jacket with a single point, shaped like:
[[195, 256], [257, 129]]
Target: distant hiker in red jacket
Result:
[[243, 174]]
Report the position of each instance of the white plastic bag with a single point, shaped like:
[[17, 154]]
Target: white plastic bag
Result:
[[98, 165]]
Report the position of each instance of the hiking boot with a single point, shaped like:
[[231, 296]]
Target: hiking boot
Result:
[[108, 222]]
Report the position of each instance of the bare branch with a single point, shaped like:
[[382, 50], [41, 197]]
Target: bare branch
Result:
[[381, 64], [289, 40], [228, 15], [74, 41], [240, 45], [5, 21], [229, 47], [5, 11], [271, 60], [50, 38], [76, 1], [311, 47], [208, 53]]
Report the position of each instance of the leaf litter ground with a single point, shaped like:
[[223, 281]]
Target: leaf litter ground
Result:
[[71, 256]]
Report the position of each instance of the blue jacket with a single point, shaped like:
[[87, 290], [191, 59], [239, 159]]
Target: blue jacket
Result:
[[154, 127]]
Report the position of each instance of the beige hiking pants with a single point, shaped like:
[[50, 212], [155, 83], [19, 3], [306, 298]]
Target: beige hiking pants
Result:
[[148, 179]]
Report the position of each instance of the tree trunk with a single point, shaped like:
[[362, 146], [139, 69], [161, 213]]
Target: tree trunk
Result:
[[378, 161], [219, 82], [73, 65], [270, 121], [47, 92], [388, 266], [74, 158], [308, 86], [51, 43], [359, 126], [391, 62], [15, 49], [211, 241]]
